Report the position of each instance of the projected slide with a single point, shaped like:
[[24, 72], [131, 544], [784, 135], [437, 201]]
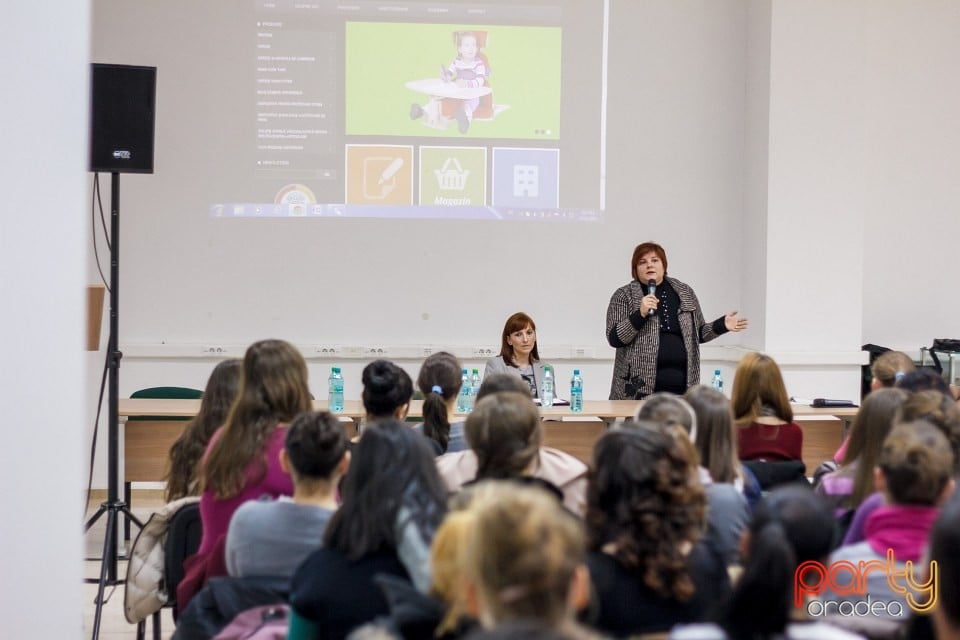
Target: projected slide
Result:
[[419, 109]]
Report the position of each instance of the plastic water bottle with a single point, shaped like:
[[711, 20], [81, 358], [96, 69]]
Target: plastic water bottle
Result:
[[717, 380], [335, 391], [546, 394], [576, 392], [474, 387], [465, 397]]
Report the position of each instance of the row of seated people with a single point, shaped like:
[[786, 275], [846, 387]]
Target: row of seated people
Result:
[[642, 541]]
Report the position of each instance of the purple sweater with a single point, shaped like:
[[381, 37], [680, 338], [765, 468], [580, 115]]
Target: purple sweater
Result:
[[216, 513]]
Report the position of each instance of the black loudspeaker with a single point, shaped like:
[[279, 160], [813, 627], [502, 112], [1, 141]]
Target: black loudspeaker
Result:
[[122, 108]]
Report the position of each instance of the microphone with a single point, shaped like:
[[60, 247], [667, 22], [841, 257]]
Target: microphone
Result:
[[652, 286]]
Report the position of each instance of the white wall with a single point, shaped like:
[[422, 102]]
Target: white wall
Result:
[[42, 174], [912, 168]]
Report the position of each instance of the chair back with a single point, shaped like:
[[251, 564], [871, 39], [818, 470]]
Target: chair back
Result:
[[183, 540], [164, 393]]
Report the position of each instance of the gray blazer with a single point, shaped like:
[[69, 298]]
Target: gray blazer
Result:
[[497, 365]]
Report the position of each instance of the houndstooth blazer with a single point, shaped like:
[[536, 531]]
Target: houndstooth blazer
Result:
[[637, 338]]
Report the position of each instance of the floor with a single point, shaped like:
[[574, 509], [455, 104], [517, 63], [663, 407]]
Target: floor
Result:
[[113, 624]]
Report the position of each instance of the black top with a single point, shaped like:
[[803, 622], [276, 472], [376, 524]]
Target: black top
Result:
[[623, 605], [338, 594], [671, 355]]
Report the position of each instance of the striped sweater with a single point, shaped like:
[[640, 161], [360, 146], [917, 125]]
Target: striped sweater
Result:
[[637, 338]]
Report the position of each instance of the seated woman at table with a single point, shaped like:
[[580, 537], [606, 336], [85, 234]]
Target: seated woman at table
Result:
[[242, 461], [183, 466], [762, 412], [439, 381], [519, 354]]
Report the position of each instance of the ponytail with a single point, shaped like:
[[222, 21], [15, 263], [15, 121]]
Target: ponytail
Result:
[[436, 425], [439, 382]]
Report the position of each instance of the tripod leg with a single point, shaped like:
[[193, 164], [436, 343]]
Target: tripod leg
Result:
[[127, 498], [96, 516], [108, 560]]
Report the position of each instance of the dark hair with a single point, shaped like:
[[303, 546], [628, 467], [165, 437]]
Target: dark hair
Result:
[[716, 438], [386, 388], [870, 427], [944, 542], [504, 432], [923, 379], [315, 444], [670, 410], [498, 382], [790, 526], [441, 370], [916, 462], [517, 322], [643, 249], [273, 389], [183, 467], [392, 475], [644, 498]]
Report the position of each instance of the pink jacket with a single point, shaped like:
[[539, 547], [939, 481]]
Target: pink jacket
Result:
[[568, 473]]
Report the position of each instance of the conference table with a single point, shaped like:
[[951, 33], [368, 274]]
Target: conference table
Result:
[[151, 426]]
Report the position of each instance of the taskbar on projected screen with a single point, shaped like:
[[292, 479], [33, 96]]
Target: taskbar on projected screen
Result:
[[271, 210]]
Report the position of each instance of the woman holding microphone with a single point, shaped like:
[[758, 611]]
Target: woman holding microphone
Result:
[[656, 325]]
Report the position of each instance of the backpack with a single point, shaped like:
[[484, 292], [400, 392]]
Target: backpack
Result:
[[145, 590], [268, 622]]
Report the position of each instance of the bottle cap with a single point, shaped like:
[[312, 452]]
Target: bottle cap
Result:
[[716, 372], [336, 369], [576, 372]]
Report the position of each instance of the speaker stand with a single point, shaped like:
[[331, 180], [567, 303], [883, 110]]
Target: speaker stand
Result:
[[113, 507]]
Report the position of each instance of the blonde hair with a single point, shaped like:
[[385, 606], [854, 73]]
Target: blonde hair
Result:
[[890, 366], [447, 566], [521, 553], [757, 385]]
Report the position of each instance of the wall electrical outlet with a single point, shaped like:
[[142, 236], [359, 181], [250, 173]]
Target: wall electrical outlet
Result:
[[483, 352], [327, 349], [215, 350], [376, 352]]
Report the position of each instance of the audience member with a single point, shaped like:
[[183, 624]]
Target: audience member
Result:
[[523, 559], [439, 382], [888, 368], [242, 461], [519, 354], [393, 502], [505, 435], [441, 613], [387, 390], [716, 441], [762, 411], [646, 514], [924, 379], [915, 475], [182, 474], [497, 382], [790, 527], [847, 487], [271, 538], [933, 407], [727, 509]]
